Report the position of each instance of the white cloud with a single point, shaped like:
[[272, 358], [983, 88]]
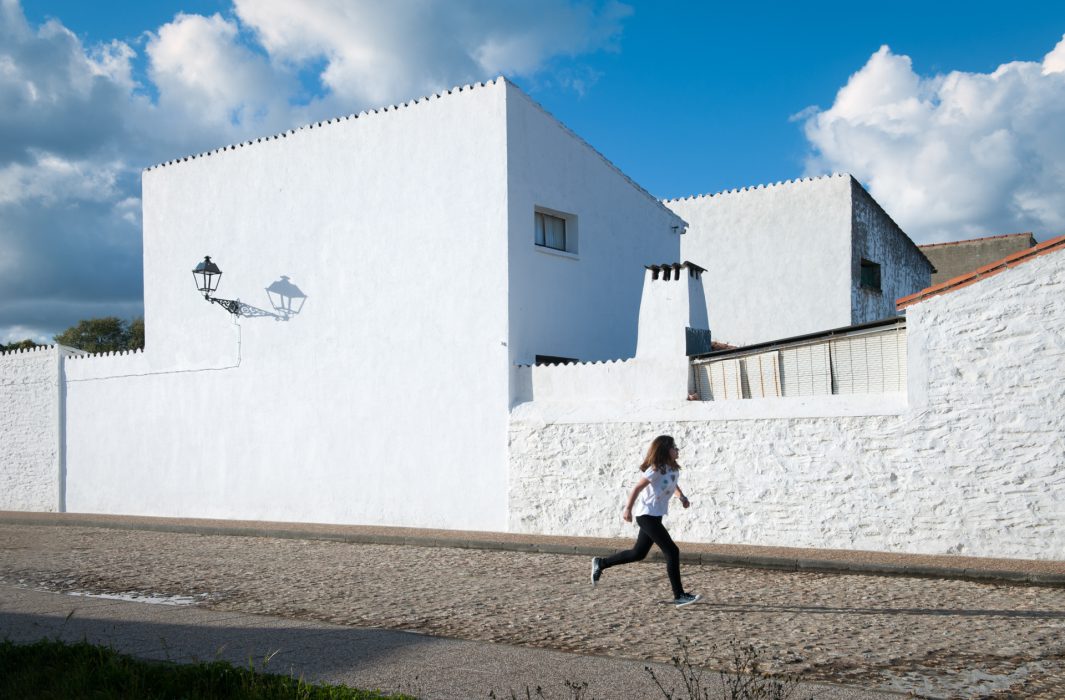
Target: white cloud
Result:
[[51, 179], [952, 156], [1054, 62], [384, 52], [202, 70]]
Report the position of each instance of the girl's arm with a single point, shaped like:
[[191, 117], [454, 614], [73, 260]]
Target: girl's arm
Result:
[[626, 513], [683, 499]]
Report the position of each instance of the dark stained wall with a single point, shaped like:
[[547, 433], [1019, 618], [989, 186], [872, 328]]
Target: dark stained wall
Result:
[[877, 238], [953, 259]]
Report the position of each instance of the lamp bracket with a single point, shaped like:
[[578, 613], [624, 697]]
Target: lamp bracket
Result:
[[239, 308]]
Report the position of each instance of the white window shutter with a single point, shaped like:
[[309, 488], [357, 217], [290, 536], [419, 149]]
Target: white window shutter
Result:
[[806, 370], [719, 381], [763, 375]]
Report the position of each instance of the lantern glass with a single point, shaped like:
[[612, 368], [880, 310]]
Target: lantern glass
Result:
[[285, 297], [207, 276]]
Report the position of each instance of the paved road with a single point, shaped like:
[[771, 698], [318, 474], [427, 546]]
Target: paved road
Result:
[[933, 637], [430, 668]]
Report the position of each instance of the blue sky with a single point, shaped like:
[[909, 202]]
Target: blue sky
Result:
[[950, 113]]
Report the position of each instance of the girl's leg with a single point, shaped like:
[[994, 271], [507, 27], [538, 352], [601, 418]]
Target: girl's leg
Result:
[[654, 529], [637, 553]]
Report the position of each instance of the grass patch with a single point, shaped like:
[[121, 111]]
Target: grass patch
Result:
[[54, 669]]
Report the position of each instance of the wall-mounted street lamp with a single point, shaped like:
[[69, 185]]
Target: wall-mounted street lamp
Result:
[[285, 297]]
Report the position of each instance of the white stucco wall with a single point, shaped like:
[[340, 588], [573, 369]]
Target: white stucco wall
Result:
[[385, 400], [29, 429], [777, 257], [971, 461], [658, 374], [584, 305]]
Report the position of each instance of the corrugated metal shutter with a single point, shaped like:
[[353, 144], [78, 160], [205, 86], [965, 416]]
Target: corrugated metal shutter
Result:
[[806, 370]]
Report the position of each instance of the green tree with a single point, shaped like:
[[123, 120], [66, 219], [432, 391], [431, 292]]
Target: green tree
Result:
[[19, 345], [136, 333], [107, 334]]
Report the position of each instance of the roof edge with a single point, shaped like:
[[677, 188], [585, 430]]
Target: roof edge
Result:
[[749, 188], [979, 239], [366, 112], [610, 164], [980, 273], [869, 195]]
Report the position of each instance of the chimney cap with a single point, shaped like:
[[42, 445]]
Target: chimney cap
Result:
[[675, 266]]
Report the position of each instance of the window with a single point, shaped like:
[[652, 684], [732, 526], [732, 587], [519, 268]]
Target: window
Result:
[[550, 231], [870, 275]]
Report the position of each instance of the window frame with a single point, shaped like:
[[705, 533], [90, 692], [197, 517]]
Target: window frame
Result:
[[569, 231], [869, 276]]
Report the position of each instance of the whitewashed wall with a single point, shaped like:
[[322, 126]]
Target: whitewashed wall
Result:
[[970, 461], [784, 260], [777, 257], [669, 305], [385, 400], [583, 306], [29, 429]]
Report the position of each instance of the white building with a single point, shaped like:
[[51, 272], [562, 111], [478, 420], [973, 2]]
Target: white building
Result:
[[446, 244], [440, 243], [798, 257]]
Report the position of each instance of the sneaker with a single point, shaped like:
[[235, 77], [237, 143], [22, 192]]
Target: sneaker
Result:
[[686, 599], [597, 570]]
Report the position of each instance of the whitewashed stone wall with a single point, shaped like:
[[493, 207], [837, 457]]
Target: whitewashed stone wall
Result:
[[971, 462], [29, 448]]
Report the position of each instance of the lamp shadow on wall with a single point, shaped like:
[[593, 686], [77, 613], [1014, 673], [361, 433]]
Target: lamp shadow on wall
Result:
[[286, 300]]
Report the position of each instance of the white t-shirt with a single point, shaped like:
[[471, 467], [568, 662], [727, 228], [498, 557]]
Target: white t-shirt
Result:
[[654, 499]]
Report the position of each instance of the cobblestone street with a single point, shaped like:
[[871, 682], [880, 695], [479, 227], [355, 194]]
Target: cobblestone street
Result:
[[932, 637]]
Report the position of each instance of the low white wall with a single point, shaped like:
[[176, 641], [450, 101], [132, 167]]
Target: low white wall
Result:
[[971, 461], [621, 381], [29, 448]]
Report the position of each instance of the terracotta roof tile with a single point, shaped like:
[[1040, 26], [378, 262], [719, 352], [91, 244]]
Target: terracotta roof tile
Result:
[[980, 273]]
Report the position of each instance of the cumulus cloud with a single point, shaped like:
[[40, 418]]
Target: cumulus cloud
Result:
[[63, 167], [76, 127], [377, 52], [203, 71], [951, 156]]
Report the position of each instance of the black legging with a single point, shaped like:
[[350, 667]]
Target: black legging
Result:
[[651, 531]]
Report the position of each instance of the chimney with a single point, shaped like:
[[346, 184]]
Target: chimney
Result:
[[673, 322]]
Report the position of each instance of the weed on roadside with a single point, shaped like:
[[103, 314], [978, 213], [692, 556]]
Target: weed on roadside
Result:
[[745, 680]]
